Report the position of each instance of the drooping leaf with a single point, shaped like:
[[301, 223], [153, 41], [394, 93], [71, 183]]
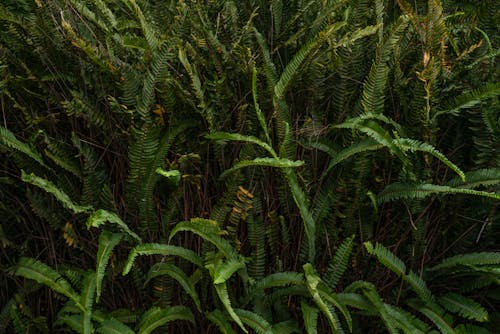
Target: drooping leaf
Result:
[[101, 216], [156, 317], [160, 249], [107, 242], [51, 188]]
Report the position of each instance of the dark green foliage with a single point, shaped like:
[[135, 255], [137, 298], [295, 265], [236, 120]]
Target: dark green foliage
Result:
[[260, 153]]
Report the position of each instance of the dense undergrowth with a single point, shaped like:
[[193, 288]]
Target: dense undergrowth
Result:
[[249, 166]]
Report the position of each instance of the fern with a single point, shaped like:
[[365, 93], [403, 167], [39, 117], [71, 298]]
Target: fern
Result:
[[339, 263], [312, 282], [254, 321], [221, 321], [358, 147], [267, 162], [156, 317], [310, 317], [474, 179], [8, 139], [397, 266], [464, 306], [208, 230], [37, 271], [177, 274], [87, 300], [167, 250], [468, 260], [107, 242], [397, 191], [99, 217], [223, 294], [51, 188], [223, 136], [414, 145], [223, 272], [113, 326]]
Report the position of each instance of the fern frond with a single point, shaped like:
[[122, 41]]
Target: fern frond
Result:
[[397, 191], [156, 317], [436, 318], [358, 147], [107, 242], [468, 260], [374, 87], [471, 329], [51, 188], [386, 257], [8, 139], [413, 145], [113, 326], [393, 263], [176, 273], [265, 162], [286, 327], [160, 249], [260, 115], [406, 321], [292, 67], [481, 177], [312, 282], [464, 306], [208, 230], [300, 200], [469, 99], [221, 321], [87, 300], [223, 136], [40, 272], [339, 263], [254, 321], [225, 270], [223, 294], [99, 217], [310, 317]]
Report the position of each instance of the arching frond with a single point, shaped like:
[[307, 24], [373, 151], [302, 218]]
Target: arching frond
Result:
[[156, 317], [107, 242]]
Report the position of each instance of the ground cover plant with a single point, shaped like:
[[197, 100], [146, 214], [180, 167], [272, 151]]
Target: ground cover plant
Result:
[[249, 166]]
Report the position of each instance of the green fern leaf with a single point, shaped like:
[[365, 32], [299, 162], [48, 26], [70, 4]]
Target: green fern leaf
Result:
[[99, 217], [176, 273], [156, 317], [113, 326], [208, 230], [43, 274], [471, 329], [468, 260], [254, 321], [159, 249], [310, 317], [54, 190], [469, 99], [413, 145], [221, 290], [265, 162], [279, 279], [9, 140], [224, 271], [358, 147], [286, 327], [87, 300], [435, 317], [481, 177], [386, 257], [312, 282], [292, 67], [407, 322], [300, 200], [258, 111], [223, 136], [339, 263], [464, 306], [397, 191], [221, 321], [107, 242]]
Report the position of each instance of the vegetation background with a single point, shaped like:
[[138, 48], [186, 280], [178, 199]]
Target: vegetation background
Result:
[[260, 166]]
